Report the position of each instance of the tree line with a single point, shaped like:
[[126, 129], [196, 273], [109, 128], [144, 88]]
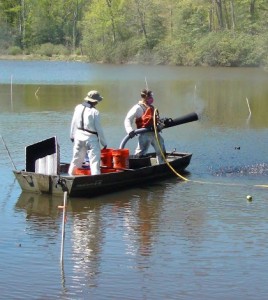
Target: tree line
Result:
[[176, 32]]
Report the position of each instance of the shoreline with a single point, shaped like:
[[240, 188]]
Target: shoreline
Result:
[[84, 59], [30, 57]]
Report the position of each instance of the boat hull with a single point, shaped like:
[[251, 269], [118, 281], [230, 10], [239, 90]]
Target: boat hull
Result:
[[89, 186]]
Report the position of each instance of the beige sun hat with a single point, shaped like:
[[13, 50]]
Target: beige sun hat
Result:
[[93, 96]]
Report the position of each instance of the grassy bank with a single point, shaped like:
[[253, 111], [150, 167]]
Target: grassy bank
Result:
[[42, 57]]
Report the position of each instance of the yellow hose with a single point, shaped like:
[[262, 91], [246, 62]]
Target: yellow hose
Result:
[[182, 177], [161, 150]]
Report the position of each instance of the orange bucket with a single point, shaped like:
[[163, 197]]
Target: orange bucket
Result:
[[121, 158], [104, 171], [82, 171], [107, 157]]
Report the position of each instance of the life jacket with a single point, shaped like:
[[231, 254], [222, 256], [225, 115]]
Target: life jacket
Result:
[[147, 119]]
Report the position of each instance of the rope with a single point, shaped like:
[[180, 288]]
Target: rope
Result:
[[186, 179]]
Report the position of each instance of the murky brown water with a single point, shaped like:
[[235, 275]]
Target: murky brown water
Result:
[[170, 240]]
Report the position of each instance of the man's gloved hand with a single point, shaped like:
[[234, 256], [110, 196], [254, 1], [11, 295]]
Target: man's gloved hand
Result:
[[168, 122], [132, 134], [160, 126], [72, 140]]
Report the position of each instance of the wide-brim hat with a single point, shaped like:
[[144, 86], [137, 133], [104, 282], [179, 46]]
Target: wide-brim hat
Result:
[[93, 96]]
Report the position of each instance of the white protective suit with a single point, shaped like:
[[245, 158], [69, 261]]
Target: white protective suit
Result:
[[86, 142], [145, 140]]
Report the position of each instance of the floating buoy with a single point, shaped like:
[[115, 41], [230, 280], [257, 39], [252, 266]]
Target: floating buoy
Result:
[[249, 198]]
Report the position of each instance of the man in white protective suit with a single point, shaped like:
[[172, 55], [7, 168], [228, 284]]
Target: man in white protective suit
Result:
[[87, 134]]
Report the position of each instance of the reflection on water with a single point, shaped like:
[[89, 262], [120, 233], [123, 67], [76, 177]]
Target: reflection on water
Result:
[[94, 223], [38, 205], [41, 214], [172, 240], [218, 94], [174, 229]]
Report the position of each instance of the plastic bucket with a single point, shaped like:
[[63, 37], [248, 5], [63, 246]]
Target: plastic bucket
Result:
[[82, 171], [107, 157], [105, 171], [121, 158]]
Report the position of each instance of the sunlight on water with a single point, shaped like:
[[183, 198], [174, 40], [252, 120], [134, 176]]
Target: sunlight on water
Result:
[[201, 239]]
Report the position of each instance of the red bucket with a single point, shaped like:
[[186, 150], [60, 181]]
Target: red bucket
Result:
[[121, 158], [82, 171], [107, 157], [105, 171]]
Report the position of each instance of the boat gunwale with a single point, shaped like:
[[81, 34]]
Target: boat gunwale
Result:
[[88, 185]]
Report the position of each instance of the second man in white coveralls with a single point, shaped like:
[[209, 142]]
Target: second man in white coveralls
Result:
[[142, 114]]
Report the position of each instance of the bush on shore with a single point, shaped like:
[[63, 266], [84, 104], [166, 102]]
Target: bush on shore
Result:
[[224, 49]]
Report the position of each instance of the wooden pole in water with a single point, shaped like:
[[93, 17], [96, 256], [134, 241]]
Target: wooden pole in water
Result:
[[249, 116], [11, 91], [146, 83], [37, 92], [8, 153], [248, 107], [63, 225]]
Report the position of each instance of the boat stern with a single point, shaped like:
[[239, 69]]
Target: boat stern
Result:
[[42, 183]]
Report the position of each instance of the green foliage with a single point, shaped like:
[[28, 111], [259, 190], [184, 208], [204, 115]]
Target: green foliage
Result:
[[6, 39], [50, 50], [229, 49], [174, 52], [185, 32], [15, 50]]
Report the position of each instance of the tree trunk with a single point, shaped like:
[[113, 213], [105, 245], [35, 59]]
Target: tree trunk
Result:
[[109, 4], [210, 19], [22, 24], [171, 21], [219, 13], [252, 8], [142, 21], [232, 14], [226, 12], [74, 32]]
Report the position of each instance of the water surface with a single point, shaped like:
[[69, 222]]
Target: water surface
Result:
[[200, 239]]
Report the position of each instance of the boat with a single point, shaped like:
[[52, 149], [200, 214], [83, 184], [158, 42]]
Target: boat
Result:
[[90, 186], [44, 173]]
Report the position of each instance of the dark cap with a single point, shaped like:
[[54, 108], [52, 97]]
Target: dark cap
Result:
[[145, 93]]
